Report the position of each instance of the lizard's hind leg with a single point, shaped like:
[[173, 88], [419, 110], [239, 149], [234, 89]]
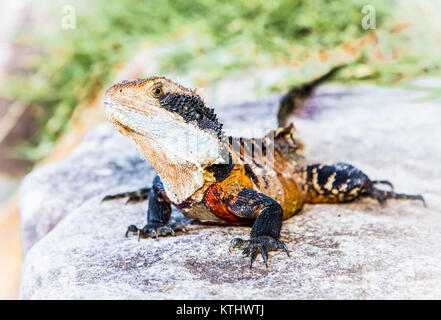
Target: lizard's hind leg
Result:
[[342, 182], [133, 196], [383, 182], [383, 195]]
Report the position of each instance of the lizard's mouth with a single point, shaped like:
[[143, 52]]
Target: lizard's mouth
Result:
[[114, 115], [122, 128]]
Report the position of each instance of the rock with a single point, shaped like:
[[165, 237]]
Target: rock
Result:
[[105, 162], [357, 250]]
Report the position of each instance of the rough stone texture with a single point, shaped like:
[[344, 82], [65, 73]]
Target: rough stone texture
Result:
[[105, 162], [356, 250]]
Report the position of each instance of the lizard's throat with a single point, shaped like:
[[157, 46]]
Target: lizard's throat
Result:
[[179, 151], [181, 176]]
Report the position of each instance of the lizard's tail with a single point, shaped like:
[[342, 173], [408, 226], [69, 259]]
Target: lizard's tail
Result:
[[286, 145], [298, 95]]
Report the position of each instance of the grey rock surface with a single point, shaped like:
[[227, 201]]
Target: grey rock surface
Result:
[[357, 250], [105, 162]]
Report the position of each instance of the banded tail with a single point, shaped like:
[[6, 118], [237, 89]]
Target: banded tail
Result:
[[298, 95]]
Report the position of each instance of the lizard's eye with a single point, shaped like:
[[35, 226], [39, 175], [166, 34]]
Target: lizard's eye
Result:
[[157, 92]]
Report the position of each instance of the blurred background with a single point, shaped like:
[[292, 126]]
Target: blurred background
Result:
[[57, 58]]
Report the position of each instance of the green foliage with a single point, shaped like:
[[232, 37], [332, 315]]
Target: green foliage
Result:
[[228, 35]]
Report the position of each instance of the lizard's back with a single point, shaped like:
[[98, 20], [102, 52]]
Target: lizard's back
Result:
[[268, 165]]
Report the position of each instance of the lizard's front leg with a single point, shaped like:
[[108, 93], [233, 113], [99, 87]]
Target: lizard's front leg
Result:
[[158, 215], [265, 233], [158, 212]]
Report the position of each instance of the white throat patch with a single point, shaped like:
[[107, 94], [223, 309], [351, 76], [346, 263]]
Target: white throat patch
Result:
[[179, 151]]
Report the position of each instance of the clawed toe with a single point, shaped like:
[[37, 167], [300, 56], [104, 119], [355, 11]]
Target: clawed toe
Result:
[[386, 182], [382, 196], [254, 246], [156, 230], [132, 228]]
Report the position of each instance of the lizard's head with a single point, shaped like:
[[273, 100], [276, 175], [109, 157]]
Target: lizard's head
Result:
[[171, 126]]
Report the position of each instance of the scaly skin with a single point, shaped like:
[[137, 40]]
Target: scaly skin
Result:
[[225, 180]]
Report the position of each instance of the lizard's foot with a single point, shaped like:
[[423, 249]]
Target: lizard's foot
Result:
[[154, 230], [256, 245], [133, 196], [382, 195]]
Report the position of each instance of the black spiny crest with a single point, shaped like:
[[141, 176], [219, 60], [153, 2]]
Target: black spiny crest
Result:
[[192, 109]]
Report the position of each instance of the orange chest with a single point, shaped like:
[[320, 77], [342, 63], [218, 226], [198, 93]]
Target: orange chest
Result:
[[214, 199], [217, 193]]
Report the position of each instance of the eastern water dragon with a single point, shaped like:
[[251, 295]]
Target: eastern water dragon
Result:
[[212, 177]]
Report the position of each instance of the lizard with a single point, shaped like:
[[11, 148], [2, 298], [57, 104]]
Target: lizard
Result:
[[215, 178]]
